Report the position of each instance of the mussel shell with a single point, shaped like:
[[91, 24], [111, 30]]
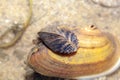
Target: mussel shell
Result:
[[100, 59], [66, 44]]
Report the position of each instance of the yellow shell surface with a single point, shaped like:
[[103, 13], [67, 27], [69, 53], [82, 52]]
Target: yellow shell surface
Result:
[[88, 56], [93, 47]]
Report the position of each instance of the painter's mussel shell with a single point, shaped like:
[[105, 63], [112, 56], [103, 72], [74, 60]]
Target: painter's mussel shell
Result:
[[94, 53]]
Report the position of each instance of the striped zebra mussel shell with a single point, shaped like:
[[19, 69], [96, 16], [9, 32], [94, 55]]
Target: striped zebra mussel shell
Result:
[[63, 44]]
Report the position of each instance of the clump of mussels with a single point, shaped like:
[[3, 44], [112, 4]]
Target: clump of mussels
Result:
[[75, 52]]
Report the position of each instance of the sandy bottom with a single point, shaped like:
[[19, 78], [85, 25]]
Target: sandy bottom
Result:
[[101, 13]]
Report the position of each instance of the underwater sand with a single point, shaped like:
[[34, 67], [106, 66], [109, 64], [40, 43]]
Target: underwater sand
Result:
[[101, 13]]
